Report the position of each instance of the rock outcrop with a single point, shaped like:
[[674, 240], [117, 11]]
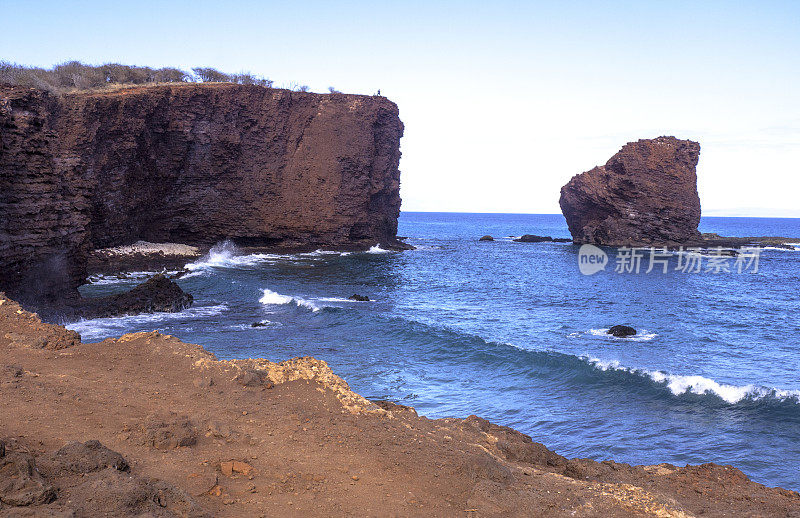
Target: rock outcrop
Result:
[[621, 331], [530, 238], [157, 293], [188, 163], [645, 195]]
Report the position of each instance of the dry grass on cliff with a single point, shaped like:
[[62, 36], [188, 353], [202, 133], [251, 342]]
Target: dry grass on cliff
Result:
[[73, 76]]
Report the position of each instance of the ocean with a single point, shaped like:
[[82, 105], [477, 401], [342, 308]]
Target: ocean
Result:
[[514, 333]]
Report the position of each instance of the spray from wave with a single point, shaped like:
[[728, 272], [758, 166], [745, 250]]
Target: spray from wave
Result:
[[377, 250], [270, 298], [227, 255]]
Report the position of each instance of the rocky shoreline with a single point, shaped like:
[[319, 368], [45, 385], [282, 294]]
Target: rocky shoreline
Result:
[[95, 434]]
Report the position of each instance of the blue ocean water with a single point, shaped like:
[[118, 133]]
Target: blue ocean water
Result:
[[514, 333]]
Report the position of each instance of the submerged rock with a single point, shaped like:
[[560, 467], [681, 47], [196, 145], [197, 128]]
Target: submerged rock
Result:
[[645, 195], [530, 238], [622, 331], [486, 238]]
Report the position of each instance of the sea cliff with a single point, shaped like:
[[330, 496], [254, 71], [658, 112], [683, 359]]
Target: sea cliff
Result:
[[192, 164]]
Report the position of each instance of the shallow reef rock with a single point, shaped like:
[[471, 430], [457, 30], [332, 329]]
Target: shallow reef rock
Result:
[[192, 164], [645, 195], [621, 331]]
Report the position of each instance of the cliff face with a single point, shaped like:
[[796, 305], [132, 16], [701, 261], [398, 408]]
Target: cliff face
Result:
[[192, 164], [42, 208], [645, 195]]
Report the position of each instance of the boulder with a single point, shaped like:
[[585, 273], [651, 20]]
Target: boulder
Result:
[[21, 484], [621, 331], [158, 293], [645, 195], [83, 457], [486, 238]]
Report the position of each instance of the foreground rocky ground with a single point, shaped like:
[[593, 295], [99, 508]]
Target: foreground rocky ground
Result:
[[146, 425]]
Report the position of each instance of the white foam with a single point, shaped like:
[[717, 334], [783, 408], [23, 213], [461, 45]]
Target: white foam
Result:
[[642, 335], [226, 255], [341, 299], [682, 384], [377, 250], [270, 297], [319, 253], [101, 279], [97, 328], [249, 327]]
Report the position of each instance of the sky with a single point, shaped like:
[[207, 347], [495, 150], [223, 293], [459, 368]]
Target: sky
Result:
[[503, 102]]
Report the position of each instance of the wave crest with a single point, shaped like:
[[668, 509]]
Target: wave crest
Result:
[[700, 385], [269, 298], [105, 327]]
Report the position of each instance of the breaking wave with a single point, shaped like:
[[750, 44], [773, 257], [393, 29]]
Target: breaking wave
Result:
[[99, 328], [377, 250], [273, 298], [270, 298], [227, 255], [700, 385]]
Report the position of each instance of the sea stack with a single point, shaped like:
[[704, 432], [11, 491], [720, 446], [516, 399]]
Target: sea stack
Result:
[[645, 195]]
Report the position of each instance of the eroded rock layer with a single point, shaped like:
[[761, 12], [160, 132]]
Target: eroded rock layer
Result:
[[192, 164], [645, 195]]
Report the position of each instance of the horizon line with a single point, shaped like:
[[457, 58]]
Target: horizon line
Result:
[[560, 214]]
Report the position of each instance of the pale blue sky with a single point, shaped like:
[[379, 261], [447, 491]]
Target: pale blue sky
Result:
[[502, 102]]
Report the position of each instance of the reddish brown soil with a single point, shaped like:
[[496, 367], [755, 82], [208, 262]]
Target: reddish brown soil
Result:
[[182, 434]]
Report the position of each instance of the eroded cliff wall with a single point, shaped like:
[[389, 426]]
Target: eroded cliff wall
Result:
[[192, 164]]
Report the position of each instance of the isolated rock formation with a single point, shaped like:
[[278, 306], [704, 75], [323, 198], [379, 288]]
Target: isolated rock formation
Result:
[[645, 195], [192, 164], [158, 293], [621, 331]]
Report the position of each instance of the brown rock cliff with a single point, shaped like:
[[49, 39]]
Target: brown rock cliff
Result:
[[188, 163]]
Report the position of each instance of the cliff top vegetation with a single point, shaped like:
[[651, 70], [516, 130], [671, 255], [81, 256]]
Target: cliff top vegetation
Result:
[[74, 75]]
